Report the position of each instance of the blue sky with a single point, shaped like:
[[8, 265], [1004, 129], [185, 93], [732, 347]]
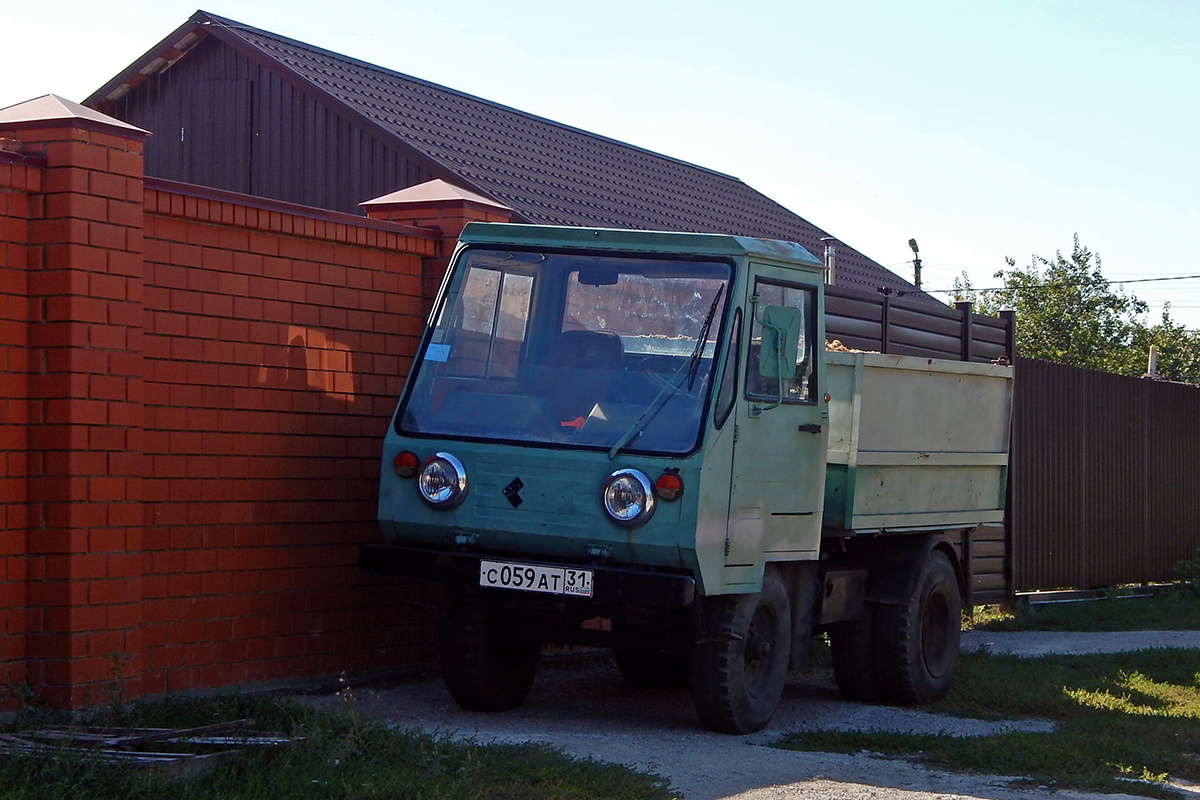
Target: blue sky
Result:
[[983, 129]]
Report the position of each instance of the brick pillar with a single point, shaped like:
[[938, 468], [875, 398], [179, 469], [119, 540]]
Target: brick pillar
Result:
[[84, 535], [440, 206], [20, 178]]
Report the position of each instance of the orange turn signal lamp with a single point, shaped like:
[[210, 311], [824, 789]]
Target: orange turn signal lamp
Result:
[[406, 463], [669, 485]]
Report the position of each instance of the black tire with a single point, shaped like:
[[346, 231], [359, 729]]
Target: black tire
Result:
[[917, 640], [640, 668], [740, 664], [851, 648], [484, 665]]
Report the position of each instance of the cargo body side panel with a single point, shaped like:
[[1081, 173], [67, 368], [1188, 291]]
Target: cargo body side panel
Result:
[[915, 443]]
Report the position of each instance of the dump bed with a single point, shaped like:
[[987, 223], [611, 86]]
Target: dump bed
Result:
[[915, 443]]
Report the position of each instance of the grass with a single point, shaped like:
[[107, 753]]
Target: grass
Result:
[[1124, 722], [1120, 611], [1130, 715], [341, 755]]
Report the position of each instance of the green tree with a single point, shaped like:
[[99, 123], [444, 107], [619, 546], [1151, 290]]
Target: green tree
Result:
[[1067, 312], [1178, 348]]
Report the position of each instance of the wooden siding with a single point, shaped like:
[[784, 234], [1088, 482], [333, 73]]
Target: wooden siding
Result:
[[220, 119]]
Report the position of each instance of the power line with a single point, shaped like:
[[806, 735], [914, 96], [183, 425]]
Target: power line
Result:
[[1069, 285]]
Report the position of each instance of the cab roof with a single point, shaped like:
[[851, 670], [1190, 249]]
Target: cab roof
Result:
[[699, 244]]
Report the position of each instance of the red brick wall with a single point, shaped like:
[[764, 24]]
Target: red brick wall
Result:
[[275, 348], [20, 177], [196, 386]]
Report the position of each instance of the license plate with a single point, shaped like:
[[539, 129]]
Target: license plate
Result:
[[536, 578]]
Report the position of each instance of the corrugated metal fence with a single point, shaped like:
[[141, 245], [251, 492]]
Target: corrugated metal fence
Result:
[[915, 326], [1106, 478]]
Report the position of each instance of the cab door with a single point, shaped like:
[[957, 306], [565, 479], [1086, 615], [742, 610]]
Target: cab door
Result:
[[778, 476]]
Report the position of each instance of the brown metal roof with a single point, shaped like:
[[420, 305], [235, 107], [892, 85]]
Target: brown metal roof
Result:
[[547, 172]]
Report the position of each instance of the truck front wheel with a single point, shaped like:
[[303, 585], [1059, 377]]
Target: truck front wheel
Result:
[[917, 639], [740, 663], [484, 665]]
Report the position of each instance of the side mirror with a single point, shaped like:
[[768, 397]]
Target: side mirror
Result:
[[780, 341]]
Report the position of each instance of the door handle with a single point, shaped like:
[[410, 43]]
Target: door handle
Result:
[[810, 428]]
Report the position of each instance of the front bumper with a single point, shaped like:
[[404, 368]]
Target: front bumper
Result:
[[612, 586]]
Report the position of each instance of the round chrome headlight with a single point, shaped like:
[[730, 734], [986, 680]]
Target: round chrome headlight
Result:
[[628, 497], [442, 481]]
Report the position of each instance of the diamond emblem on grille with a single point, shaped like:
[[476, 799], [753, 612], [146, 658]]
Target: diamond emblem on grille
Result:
[[513, 492]]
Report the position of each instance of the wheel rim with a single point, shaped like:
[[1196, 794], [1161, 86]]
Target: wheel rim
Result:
[[936, 633], [759, 650]]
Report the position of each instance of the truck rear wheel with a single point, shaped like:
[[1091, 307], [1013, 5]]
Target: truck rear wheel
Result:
[[740, 664], [917, 639], [852, 650], [484, 665]]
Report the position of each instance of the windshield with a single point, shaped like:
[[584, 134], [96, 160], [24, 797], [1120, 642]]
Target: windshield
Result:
[[609, 352]]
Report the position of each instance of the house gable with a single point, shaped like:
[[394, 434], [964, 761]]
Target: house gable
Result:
[[225, 120]]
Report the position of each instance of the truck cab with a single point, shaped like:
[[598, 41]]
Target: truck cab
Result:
[[620, 438]]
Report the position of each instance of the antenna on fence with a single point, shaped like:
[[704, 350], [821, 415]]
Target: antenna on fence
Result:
[[1152, 365], [830, 255]]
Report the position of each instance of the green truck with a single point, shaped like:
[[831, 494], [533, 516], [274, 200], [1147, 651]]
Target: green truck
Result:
[[639, 440]]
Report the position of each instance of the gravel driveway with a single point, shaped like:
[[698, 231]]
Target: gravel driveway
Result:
[[586, 709]]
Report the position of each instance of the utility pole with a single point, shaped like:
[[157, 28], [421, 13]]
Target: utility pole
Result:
[[916, 262]]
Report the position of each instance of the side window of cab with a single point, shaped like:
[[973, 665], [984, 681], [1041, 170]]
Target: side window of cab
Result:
[[781, 358]]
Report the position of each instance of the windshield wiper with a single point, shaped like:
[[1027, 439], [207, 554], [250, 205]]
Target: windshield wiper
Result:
[[694, 361], [692, 365]]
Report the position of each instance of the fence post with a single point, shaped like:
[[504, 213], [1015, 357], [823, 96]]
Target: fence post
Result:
[[885, 324], [440, 206], [967, 333], [86, 412], [1010, 334]]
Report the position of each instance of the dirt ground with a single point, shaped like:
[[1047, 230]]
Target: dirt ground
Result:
[[583, 707]]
